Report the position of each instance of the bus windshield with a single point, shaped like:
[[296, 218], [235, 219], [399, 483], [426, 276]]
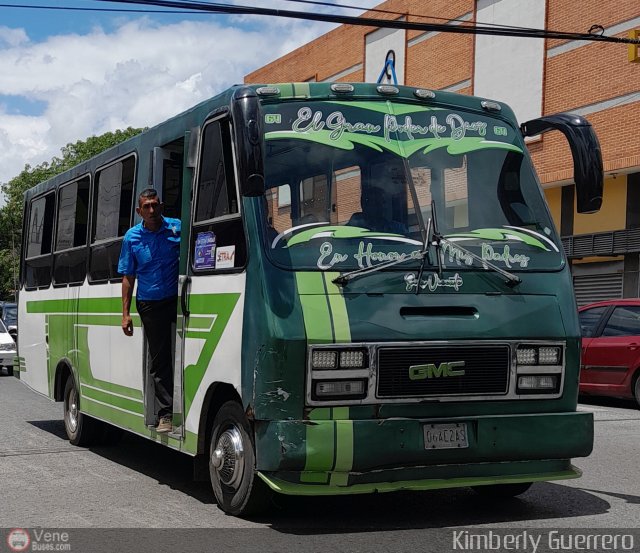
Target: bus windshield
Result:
[[352, 184]]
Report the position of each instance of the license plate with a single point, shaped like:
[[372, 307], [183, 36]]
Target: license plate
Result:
[[445, 435]]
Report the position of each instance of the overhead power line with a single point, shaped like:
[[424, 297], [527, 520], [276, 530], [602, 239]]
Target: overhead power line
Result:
[[399, 14], [108, 10], [471, 28]]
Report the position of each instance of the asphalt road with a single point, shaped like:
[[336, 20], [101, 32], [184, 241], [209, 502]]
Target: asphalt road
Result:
[[46, 482]]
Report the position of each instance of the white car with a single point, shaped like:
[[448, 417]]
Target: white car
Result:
[[7, 349]]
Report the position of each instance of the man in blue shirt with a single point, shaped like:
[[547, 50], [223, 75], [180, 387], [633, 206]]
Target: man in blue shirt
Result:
[[150, 253]]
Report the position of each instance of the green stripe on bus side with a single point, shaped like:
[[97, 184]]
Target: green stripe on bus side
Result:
[[132, 422], [222, 306], [344, 446], [292, 488], [323, 308], [82, 305], [104, 320], [315, 307], [116, 401], [319, 447], [110, 413], [199, 323], [341, 328], [190, 444]]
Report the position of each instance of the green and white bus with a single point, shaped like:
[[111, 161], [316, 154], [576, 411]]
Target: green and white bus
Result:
[[372, 294]]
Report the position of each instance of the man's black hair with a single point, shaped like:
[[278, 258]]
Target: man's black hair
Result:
[[148, 193]]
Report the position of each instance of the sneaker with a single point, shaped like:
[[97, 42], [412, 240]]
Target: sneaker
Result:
[[164, 424]]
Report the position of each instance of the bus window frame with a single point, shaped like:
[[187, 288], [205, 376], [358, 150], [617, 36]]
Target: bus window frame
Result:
[[53, 191], [220, 118], [94, 190], [86, 245]]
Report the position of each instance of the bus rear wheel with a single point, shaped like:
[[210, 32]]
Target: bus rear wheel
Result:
[[237, 487], [502, 491], [81, 430]]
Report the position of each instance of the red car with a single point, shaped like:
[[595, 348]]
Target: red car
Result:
[[610, 363]]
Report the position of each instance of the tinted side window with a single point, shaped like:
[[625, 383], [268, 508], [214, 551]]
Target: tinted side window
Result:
[[218, 240], [624, 321], [113, 200], [39, 242], [70, 260], [589, 319], [216, 195], [73, 214], [113, 206]]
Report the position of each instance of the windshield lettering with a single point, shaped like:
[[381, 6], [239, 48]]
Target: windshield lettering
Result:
[[489, 254], [309, 121], [459, 126], [325, 252], [456, 254], [433, 282], [335, 122], [365, 256]]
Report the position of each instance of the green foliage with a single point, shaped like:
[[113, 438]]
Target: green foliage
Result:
[[11, 213]]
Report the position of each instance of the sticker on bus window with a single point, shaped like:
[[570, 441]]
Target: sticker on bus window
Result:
[[225, 257], [205, 252]]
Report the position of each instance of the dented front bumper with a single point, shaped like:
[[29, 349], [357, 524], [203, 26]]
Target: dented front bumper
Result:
[[385, 454]]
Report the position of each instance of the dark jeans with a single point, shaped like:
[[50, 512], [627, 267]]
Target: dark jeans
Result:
[[157, 318]]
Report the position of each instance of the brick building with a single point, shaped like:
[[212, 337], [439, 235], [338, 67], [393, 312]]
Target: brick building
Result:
[[535, 77]]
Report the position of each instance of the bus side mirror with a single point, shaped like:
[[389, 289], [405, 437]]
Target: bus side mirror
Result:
[[247, 124], [585, 149]]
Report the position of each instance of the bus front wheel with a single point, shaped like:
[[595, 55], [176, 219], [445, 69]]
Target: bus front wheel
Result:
[[81, 430], [236, 486], [502, 491]]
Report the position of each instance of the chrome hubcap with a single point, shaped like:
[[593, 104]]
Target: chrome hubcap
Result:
[[72, 410], [228, 457]]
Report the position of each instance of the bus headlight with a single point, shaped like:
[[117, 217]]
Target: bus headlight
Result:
[[343, 389], [537, 383], [352, 359], [531, 355], [324, 359]]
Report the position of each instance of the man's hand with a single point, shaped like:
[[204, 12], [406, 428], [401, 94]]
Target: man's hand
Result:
[[127, 293], [127, 325]]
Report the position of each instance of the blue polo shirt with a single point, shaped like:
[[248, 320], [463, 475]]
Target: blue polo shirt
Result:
[[153, 258]]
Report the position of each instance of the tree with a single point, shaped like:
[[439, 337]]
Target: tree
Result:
[[11, 213]]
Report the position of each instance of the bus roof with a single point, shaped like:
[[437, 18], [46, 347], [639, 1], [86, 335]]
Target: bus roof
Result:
[[175, 127]]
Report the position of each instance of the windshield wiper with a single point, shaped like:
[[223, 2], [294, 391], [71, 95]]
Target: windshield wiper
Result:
[[438, 240], [424, 231], [346, 277], [511, 279]]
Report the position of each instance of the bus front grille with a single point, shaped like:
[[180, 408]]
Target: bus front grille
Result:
[[459, 370]]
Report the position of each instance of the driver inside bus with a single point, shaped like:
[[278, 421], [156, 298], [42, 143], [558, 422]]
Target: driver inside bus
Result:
[[376, 211]]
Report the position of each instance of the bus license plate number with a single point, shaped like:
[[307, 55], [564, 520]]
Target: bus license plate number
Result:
[[445, 436]]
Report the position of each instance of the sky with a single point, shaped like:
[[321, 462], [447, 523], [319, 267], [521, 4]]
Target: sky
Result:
[[67, 75]]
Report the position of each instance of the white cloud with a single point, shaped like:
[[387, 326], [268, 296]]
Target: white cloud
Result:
[[12, 37], [138, 75]]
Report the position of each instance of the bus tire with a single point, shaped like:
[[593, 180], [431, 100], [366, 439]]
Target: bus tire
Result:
[[10, 371], [502, 491], [81, 430], [236, 486]]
